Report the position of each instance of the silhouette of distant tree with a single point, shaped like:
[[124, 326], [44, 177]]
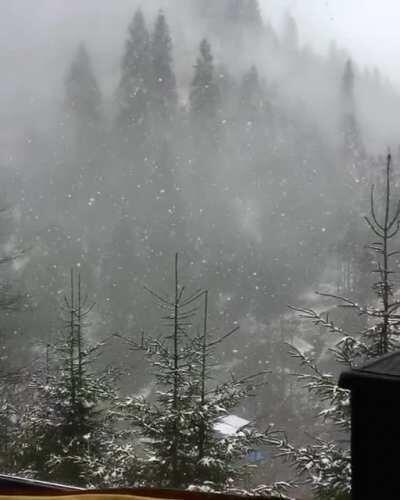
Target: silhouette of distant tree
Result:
[[164, 80], [134, 91], [83, 96]]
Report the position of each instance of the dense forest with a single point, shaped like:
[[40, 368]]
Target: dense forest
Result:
[[163, 201]]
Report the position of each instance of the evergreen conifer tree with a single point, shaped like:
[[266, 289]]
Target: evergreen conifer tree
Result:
[[253, 14], [66, 425], [253, 130], [353, 149], [251, 98], [164, 81], [136, 76], [204, 92], [83, 96], [220, 459], [326, 464], [11, 375], [10, 399], [182, 446], [83, 135], [205, 108]]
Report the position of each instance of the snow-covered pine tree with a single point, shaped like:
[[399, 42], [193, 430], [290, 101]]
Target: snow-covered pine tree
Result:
[[10, 396], [326, 465], [10, 373], [181, 447], [9, 425], [220, 462], [166, 425], [66, 426]]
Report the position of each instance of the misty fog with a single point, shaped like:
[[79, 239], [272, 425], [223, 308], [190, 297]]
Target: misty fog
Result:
[[229, 133]]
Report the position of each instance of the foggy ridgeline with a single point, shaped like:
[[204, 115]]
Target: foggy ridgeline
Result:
[[211, 135]]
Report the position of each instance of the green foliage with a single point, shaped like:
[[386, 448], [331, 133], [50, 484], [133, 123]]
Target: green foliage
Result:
[[181, 446], [326, 465], [64, 427]]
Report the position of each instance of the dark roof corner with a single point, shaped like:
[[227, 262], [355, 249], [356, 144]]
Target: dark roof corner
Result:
[[384, 369]]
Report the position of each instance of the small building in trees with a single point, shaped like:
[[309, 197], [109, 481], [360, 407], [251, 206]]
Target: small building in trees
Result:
[[229, 425]]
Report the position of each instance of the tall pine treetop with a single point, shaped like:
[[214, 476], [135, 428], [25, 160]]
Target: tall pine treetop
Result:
[[137, 44], [135, 84], [83, 97], [164, 81], [353, 146], [204, 94], [251, 96]]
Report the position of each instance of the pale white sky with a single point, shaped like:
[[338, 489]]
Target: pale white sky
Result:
[[369, 29]]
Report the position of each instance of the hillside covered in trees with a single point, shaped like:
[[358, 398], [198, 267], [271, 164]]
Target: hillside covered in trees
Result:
[[203, 132]]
